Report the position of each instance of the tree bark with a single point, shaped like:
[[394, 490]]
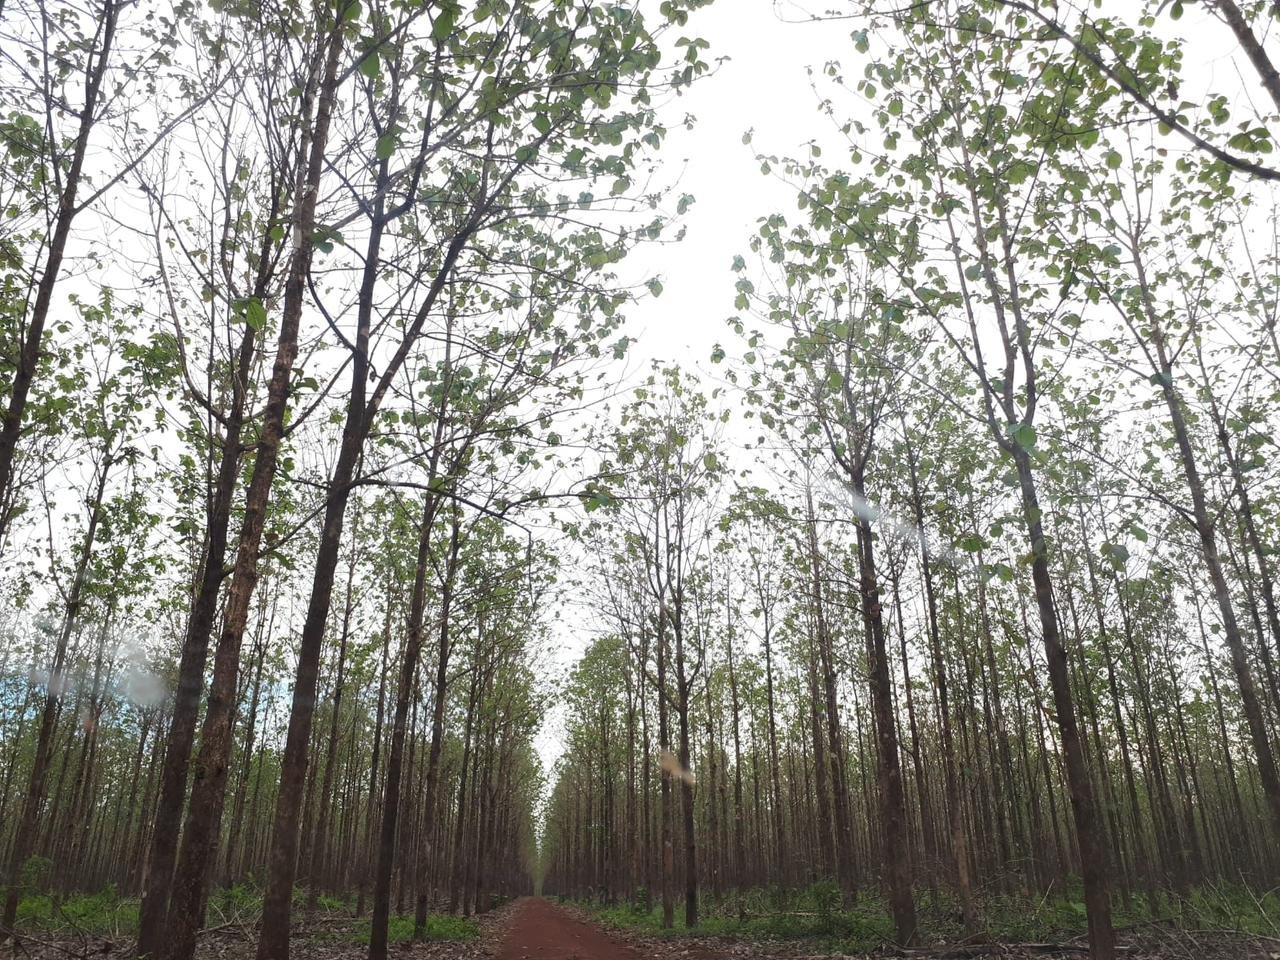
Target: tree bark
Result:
[[893, 810], [395, 753], [208, 791]]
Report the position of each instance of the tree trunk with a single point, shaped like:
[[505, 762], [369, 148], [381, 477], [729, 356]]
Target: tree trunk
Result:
[[950, 774], [664, 773], [391, 790], [893, 810], [1093, 857], [208, 790], [320, 839], [1204, 528], [191, 665]]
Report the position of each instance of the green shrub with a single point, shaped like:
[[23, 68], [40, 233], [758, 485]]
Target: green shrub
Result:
[[452, 929], [827, 899], [440, 928], [642, 902], [241, 899], [330, 904], [103, 914]]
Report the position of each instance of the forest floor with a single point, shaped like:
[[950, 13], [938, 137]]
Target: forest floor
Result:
[[536, 929], [539, 930]]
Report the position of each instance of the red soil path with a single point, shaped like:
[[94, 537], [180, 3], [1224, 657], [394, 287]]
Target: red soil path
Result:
[[541, 931]]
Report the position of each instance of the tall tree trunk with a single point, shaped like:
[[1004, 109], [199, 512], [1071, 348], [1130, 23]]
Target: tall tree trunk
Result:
[[246, 765], [466, 778], [320, 839], [391, 790], [379, 717], [1093, 857], [827, 676], [714, 859], [927, 830], [775, 767], [204, 812], [273, 944], [683, 684], [822, 822], [191, 664], [739, 827], [893, 810], [1016, 337], [1137, 825], [950, 774], [664, 773], [1204, 527]]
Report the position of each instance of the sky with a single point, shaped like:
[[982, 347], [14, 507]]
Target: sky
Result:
[[764, 49], [759, 83], [763, 86]]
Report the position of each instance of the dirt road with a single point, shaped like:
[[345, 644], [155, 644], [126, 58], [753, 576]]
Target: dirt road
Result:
[[542, 931]]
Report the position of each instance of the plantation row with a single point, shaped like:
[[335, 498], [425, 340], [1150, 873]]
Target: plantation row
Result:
[[974, 598], [945, 593], [289, 297]]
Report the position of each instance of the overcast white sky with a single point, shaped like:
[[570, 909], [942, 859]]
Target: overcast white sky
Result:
[[764, 86]]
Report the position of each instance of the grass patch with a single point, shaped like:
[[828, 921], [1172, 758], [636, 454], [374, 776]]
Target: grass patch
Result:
[[107, 914], [441, 928], [810, 914], [240, 900], [102, 914], [816, 914]]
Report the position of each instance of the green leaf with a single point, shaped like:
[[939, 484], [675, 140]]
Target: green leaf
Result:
[[1114, 160], [597, 497], [1024, 435], [1116, 553], [385, 146], [445, 20], [1003, 571], [251, 311]]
